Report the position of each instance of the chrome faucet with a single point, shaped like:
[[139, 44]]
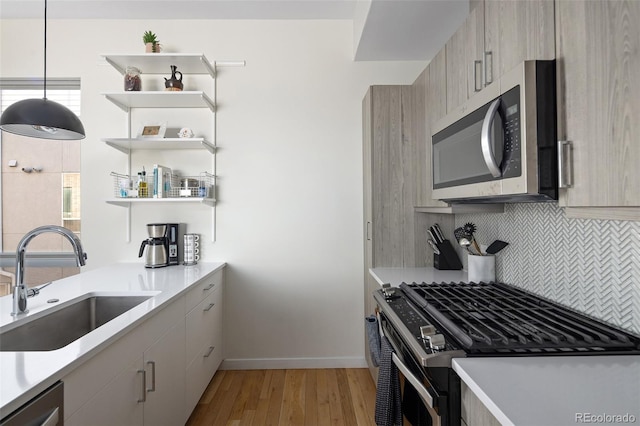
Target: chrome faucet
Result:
[[20, 292]]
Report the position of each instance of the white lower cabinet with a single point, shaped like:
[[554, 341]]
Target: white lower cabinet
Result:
[[165, 379], [204, 345], [155, 374], [116, 403], [149, 391]]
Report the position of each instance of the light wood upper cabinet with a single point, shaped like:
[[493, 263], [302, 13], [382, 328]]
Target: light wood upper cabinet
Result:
[[464, 52], [436, 102], [429, 91], [515, 31], [390, 187], [598, 53]]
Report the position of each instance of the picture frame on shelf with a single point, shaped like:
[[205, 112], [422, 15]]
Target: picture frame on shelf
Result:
[[152, 130]]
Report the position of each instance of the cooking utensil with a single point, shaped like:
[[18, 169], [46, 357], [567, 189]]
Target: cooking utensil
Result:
[[465, 243], [496, 246], [469, 229]]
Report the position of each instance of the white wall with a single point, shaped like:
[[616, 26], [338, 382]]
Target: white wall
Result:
[[289, 219]]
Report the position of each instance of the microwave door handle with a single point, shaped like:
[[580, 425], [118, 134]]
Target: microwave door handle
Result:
[[485, 140]]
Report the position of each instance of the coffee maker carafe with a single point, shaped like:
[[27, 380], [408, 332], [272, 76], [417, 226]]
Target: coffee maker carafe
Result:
[[156, 244]]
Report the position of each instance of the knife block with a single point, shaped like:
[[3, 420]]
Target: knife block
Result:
[[447, 259]]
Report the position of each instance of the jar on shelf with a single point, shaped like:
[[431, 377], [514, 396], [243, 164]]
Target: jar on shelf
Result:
[[132, 80]]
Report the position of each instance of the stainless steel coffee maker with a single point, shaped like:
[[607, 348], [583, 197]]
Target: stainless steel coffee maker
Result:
[[157, 244]]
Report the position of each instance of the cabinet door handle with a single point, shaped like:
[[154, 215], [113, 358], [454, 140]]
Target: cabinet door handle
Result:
[[565, 164], [153, 376], [211, 348], [488, 68], [477, 76], [212, 285], [208, 308], [144, 385], [53, 418], [368, 231]]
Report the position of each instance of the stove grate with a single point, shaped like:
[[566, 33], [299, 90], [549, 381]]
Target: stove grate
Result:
[[488, 318]]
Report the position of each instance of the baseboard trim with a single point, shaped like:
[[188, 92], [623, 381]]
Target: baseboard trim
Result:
[[289, 363]]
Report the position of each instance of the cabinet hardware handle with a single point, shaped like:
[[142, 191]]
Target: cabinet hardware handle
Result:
[[477, 76], [565, 164], [208, 308], [211, 348], [212, 285], [153, 376], [488, 68], [144, 385], [53, 418], [368, 231]]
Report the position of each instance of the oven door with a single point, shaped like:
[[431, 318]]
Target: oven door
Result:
[[416, 387]]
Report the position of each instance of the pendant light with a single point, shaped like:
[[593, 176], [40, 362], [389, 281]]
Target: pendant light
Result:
[[42, 118]]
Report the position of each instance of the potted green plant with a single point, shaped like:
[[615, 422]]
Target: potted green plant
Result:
[[151, 42]]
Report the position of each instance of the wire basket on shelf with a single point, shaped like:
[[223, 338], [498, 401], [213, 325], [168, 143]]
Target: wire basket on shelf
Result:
[[201, 186], [126, 186]]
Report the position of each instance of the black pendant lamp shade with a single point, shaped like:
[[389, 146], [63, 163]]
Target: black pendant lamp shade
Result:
[[42, 118]]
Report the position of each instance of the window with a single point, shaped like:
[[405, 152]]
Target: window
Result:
[[27, 198]]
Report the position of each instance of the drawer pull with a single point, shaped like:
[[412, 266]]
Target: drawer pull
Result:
[[144, 385], [211, 348], [208, 308], [212, 285], [153, 376]]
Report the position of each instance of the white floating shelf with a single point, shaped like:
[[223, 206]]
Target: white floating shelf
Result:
[[127, 201], [185, 99], [159, 63], [127, 145]]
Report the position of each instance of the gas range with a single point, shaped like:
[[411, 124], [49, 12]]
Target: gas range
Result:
[[430, 324]]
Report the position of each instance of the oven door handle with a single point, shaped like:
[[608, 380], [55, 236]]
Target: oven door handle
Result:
[[419, 387]]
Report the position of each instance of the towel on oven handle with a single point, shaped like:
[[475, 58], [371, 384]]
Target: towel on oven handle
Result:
[[388, 397], [373, 337]]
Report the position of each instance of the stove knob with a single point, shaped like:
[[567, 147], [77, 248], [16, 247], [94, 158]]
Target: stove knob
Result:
[[427, 330], [387, 290], [436, 342]]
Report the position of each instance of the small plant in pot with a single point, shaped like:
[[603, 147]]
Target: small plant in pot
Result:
[[151, 42]]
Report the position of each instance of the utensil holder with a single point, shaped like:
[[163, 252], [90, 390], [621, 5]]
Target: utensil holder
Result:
[[481, 268], [447, 259]]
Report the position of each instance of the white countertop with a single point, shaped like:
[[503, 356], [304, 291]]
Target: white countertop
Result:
[[396, 276], [25, 374], [555, 390]]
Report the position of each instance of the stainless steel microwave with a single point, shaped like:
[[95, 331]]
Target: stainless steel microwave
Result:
[[500, 146]]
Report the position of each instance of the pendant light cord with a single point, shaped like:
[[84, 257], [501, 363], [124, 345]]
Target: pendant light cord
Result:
[[45, 49]]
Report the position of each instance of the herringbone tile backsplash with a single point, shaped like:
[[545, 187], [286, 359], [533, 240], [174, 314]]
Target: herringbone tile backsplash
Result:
[[592, 266]]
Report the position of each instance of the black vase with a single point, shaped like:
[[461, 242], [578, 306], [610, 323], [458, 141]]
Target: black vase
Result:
[[174, 83]]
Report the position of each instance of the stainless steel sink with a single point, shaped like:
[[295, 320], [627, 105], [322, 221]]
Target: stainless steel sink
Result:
[[63, 326]]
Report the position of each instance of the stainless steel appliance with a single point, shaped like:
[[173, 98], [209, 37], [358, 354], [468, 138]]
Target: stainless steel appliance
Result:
[[175, 233], [501, 145], [430, 324], [46, 409], [157, 246]]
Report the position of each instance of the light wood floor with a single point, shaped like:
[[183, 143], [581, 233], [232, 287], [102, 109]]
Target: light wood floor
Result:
[[287, 397]]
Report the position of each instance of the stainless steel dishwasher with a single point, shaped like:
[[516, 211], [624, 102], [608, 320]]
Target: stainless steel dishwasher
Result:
[[46, 409]]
